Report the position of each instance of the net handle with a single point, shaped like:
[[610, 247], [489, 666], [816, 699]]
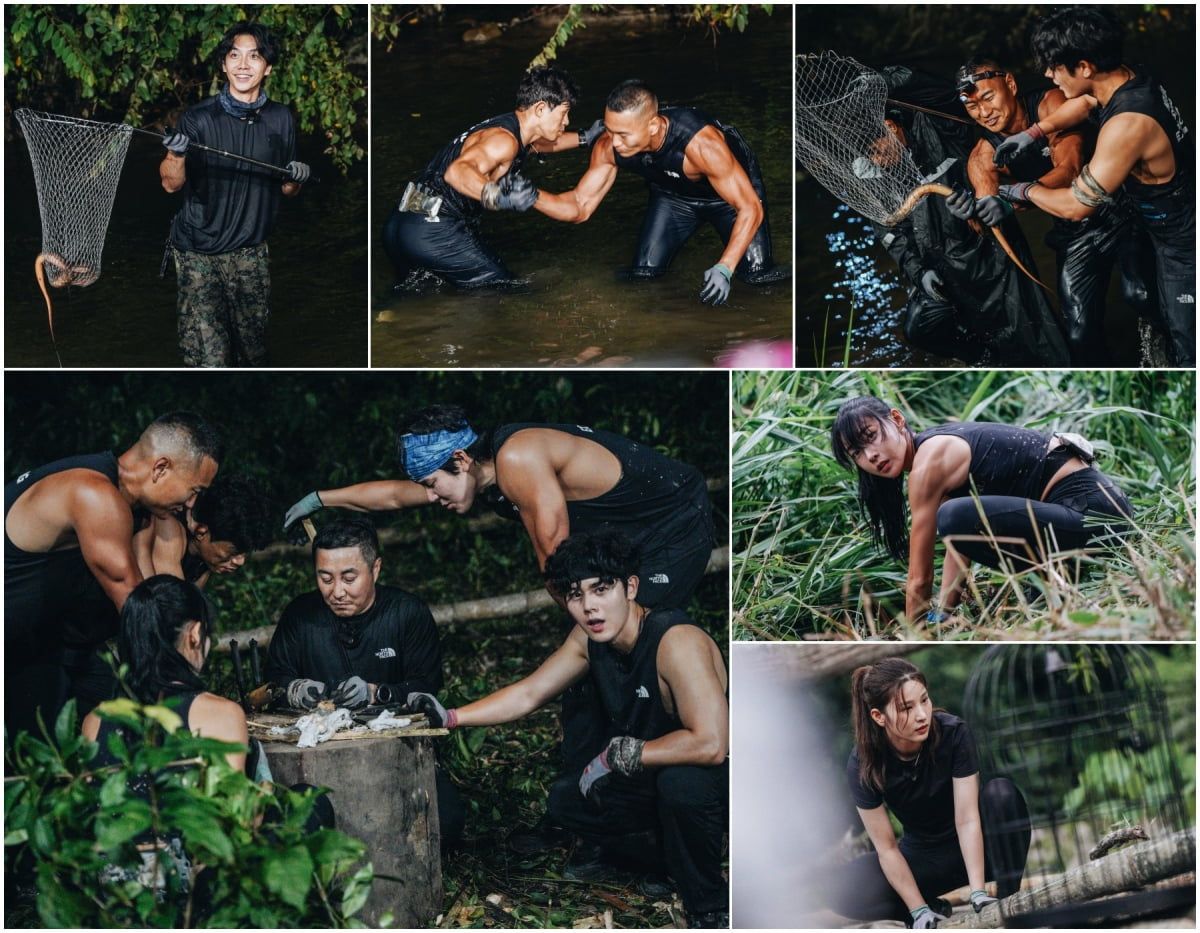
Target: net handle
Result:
[[229, 155]]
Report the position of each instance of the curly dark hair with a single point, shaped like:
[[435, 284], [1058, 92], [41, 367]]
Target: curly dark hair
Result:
[[236, 508], [609, 555], [1078, 33], [268, 48], [549, 84]]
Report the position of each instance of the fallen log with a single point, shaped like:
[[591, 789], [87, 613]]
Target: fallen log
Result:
[[471, 610], [1124, 870]]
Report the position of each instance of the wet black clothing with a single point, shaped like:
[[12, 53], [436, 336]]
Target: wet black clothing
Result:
[[1166, 211], [684, 807], [1035, 161], [678, 205], [395, 642], [1010, 468], [450, 247], [52, 603], [662, 505], [989, 311], [230, 204]]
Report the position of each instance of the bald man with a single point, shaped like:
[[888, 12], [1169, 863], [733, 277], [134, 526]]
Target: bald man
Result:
[[68, 551], [698, 170]]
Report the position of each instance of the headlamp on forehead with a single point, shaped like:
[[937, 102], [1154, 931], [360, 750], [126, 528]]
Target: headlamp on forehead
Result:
[[966, 85]]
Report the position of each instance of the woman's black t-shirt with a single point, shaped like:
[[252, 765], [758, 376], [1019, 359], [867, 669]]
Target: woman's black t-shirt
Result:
[[921, 792]]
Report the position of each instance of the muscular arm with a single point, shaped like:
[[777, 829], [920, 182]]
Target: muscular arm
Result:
[[710, 154], [563, 668], [891, 859], [483, 156], [530, 482], [982, 173], [578, 204], [103, 525], [1071, 113], [377, 496], [1066, 146], [970, 829], [941, 464], [160, 547], [696, 681]]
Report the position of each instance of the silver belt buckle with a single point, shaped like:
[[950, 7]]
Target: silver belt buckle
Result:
[[416, 201]]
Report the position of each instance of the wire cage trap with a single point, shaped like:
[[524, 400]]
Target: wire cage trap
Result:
[[1084, 733]]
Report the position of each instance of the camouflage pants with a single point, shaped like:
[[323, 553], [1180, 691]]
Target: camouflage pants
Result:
[[223, 306]]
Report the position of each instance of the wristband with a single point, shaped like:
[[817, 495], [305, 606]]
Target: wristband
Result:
[[1036, 132], [724, 270], [582, 139], [917, 911], [451, 718]]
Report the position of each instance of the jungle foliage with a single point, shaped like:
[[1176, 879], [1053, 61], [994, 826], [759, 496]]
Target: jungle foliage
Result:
[[135, 63], [66, 822], [805, 563]]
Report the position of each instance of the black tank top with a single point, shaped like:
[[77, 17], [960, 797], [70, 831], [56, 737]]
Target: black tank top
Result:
[[627, 684], [1005, 460], [433, 178], [103, 463], [657, 501], [663, 168], [1035, 161], [1143, 94]]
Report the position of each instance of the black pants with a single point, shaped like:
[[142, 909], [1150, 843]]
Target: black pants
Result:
[[1067, 520], [450, 248], [861, 891], [1170, 220], [683, 806]]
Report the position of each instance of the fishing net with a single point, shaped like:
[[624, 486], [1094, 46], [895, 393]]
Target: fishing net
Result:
[[76, 166], [841, 138]]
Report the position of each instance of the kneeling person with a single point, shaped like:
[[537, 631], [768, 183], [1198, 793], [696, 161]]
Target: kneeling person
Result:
[[357, 642], [662, 682]]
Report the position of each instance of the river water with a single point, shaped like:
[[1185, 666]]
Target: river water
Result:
[[127, 317], [849, 308], [575, 311]]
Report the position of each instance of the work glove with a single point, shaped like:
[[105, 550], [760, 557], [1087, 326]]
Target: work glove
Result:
[[961, 204], [623, 754], [980, 900], [438, 716], [931, 281], [993, 209], [594, 777], [1018, 193], [716, 285], [298, 172], [924, 918], [353, 693], [305, 694], [305, 507], [591, 134], [176, 141], [866, 169], [513, 192], [1012, 147]]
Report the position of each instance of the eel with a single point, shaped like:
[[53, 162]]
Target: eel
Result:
[[64, 274], [945, 191]]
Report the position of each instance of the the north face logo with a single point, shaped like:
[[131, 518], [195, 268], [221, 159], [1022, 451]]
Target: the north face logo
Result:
[[642, 693], [1182, 299], [385, 653], [659, 578]]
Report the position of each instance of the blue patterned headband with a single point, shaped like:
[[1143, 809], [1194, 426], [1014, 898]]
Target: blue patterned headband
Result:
[[425, 453]]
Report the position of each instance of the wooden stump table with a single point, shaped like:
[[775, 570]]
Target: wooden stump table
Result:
[[383, 792]]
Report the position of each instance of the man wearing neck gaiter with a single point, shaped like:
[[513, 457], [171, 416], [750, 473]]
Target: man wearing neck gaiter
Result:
[[219, 236]]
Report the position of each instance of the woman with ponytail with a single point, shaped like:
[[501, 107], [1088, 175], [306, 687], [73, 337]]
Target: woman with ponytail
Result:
[[993, 493], [920, 763], [166, 633]]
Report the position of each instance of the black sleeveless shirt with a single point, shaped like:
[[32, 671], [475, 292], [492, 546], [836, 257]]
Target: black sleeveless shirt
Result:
[[1005, 460], [657, 502], [663, 168], [1143, 94], [1035, 161], [433, 178], [627, 684]]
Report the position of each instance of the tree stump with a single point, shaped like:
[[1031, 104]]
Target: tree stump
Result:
[[383, 792]]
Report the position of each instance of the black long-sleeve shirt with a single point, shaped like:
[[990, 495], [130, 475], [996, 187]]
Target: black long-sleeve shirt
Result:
[[395, 642]]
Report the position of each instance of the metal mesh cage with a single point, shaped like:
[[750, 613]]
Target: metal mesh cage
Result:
[[1083, 732]]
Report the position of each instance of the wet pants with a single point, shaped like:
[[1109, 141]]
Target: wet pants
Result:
[[682, 807], [1086, 251], [1170, 221], [450, 248], [223, 306], [1070, 518], [861, 891]]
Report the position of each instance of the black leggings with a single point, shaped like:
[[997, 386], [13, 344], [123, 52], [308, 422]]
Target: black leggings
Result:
[[861, 891], [1081, 509]]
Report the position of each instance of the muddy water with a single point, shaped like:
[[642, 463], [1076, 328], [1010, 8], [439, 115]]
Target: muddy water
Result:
[[575, 310], [848, 309], [127, 318]]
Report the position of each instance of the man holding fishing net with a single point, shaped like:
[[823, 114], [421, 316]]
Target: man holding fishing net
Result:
[[1144, 154], [1086, 249], [698, 171], [219, 237]]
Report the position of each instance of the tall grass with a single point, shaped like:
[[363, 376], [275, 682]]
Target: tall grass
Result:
[[805, 566]]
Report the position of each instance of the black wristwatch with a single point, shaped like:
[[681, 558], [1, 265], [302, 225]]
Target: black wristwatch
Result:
[[383, 695]]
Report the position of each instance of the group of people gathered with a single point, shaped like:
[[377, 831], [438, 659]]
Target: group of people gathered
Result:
[[103, 547]]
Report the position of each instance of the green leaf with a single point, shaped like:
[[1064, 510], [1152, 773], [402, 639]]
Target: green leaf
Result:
[[288, 874], [1082, 617]]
